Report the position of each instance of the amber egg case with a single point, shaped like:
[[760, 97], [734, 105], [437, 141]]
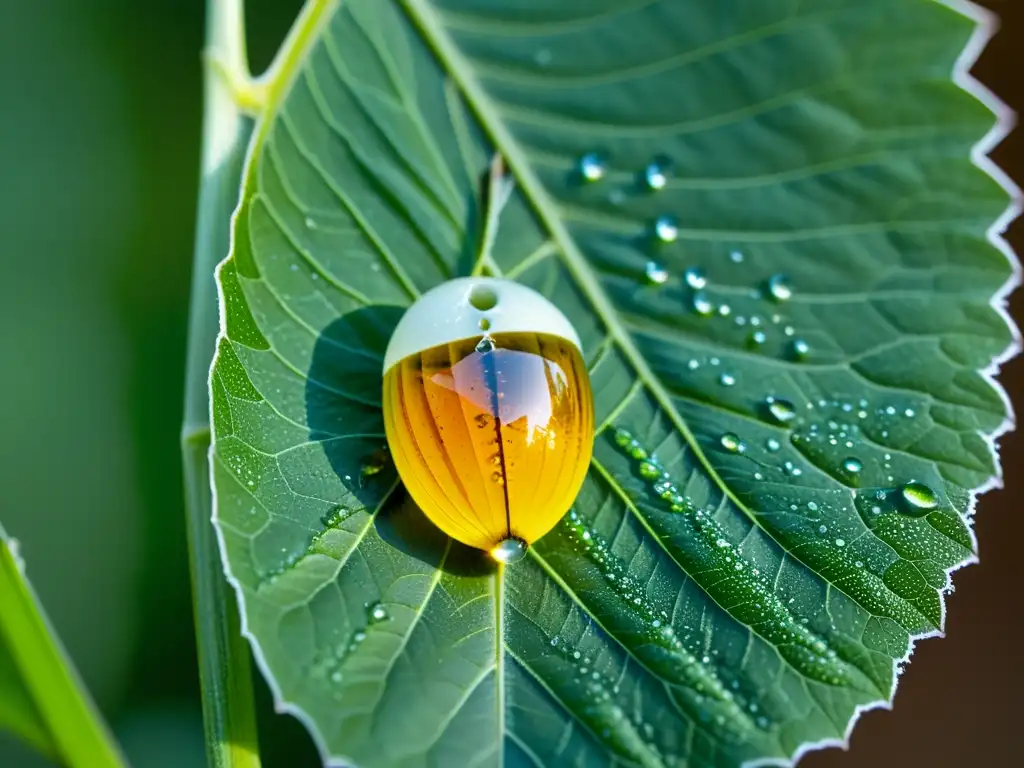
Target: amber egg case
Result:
[[488, 412]]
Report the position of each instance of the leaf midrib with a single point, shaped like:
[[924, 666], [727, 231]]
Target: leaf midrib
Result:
[[425, 18]]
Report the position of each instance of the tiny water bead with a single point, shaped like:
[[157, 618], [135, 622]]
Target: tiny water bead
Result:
[[518, 396], [655, 273], [747, 588], [853, 465], [772, 445], [757, 338], [655, 175], [727, 380], [695, 278], [376, 613], [918, 499], [783, 411], [510, 550], [666, 229], [649, 470], [732, 443], [779, 288], [702, 304], [592, 167], [800, 349]]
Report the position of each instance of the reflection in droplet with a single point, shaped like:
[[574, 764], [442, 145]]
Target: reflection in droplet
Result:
[[486, 344], [918, 499], [655, 175], [783, 411], [376, 612], [732, 443], [702, 304], [592, 167], [695, 278], [666, 229], [800, 348], [510, 550], [655, 272], [779, 288]]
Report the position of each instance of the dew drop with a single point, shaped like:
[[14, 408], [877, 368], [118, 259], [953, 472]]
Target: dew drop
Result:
[[800, 349], [736, 257], [485, 324], [655, 272], [727, 380], [498, 478], [377, 612], [783, 411], [666, 229], [732, 443], [772, 445], [649, 470], [702, 304], [840, 542], [757, 338], [853, 465], [695, 278], [918, 499], [592, 167], [779, 288], [656, 174], [623, 438], [310, 222], [510, 550]]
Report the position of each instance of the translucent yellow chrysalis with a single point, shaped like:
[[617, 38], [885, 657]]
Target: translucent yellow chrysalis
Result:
[[488, 412]]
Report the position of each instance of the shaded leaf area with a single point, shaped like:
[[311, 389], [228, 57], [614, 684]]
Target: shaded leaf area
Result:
[[784, 321], [18, 711]]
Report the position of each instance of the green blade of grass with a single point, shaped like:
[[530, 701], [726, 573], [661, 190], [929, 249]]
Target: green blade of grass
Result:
[[78, 735]]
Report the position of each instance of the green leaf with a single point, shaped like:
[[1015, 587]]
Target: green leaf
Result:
[[819, 179], [41, 698], [18, 712]]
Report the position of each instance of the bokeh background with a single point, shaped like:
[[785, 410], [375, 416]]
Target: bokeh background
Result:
[[99, 147]]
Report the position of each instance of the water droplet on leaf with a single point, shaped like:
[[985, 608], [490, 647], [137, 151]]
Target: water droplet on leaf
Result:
[[779, 289], [918, 499], [592, 167], [655, 272], [666, 229], [732, 443]]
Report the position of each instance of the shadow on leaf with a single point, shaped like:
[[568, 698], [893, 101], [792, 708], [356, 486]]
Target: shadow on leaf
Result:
[[343, 410]]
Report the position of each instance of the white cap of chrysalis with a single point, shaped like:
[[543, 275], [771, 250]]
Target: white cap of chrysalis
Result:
[[474, 306]]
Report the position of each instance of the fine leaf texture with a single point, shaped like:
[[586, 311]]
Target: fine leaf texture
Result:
[[786, 341]]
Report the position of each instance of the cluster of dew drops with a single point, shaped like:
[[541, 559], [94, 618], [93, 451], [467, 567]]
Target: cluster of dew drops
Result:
[[915, 498], [777, 622], [592, 168]]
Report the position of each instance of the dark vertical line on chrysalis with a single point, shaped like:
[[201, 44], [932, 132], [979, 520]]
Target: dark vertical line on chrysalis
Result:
[[491, 373]]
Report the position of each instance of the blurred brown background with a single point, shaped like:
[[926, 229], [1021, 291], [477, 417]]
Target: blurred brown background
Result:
[[99, 143]]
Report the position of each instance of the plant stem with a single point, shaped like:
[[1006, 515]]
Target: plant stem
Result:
[[224, 666], [79, 735]]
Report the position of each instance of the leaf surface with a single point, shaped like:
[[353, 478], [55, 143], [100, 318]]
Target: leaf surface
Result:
[[786, 340]]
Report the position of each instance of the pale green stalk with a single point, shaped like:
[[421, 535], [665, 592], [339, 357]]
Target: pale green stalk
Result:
[[224, 665]]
